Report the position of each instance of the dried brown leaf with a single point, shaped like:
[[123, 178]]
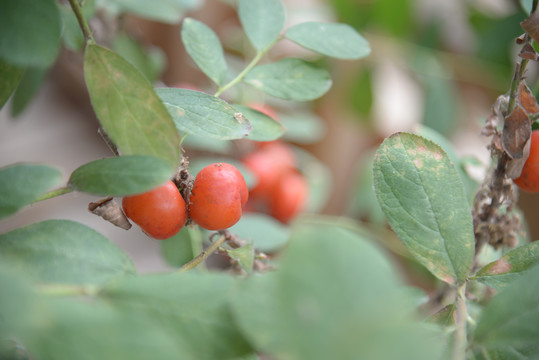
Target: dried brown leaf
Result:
[[516, 132], [526, 98], [531, 25], [528, 52], [111, 211]]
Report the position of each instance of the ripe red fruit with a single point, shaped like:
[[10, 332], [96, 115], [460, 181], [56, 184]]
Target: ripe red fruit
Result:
[[160, 212], [529, 178], [288, 197], [265, 109], [218, 195], [268, 164]]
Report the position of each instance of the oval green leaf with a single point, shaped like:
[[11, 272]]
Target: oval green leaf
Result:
[[511, 317], [290, 79], [22, 184], [267, 234], [197, 113], [127, 107], [331, 286], [264, 127], [30, 32], [515, 263], [150, 60], [204, 47], [335, 40], [120, 176], [10, 77], [93, 329], [28, 87], [262, 21], [63, 251], [423, 198], [193, 308]]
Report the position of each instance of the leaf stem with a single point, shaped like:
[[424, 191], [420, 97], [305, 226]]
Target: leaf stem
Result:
[[259, 55], [204, 254], [54, 193], [460, 344], [82, 21]]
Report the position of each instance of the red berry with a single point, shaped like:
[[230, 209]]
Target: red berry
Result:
[[160, 212], [268, 164], [218, 194], [529, 178], [288, 197], [265, 109]]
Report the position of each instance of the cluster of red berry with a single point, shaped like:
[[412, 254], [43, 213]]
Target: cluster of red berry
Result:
[[219, 194], [280, 189], [217, 197]]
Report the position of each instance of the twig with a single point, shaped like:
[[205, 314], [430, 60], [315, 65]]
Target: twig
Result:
[[205, 253], [82, 21]]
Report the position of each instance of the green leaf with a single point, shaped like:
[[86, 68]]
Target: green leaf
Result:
[[197, 113], [63, 251], [166, 11], [262, 21], [264, 127], [182, 247], [515, 263], [290, 79], [192, 307], [512, 317], [18, 311], [204, 47], [303, 127], [244, 256], [22, 184], [29, 85], [10, 76], [127, 107], [335, 40], [30, 32], [267, 234], [120, 176], [87, 330], [255, 306], [423, 198], [333, 297], [149, 60]]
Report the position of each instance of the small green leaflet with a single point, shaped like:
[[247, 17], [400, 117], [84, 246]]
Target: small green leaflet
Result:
[[120, 176], [330, 39], [290, 79], [204, 47], [262, 21], [22, 184], [197, 113], [515, 263]]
